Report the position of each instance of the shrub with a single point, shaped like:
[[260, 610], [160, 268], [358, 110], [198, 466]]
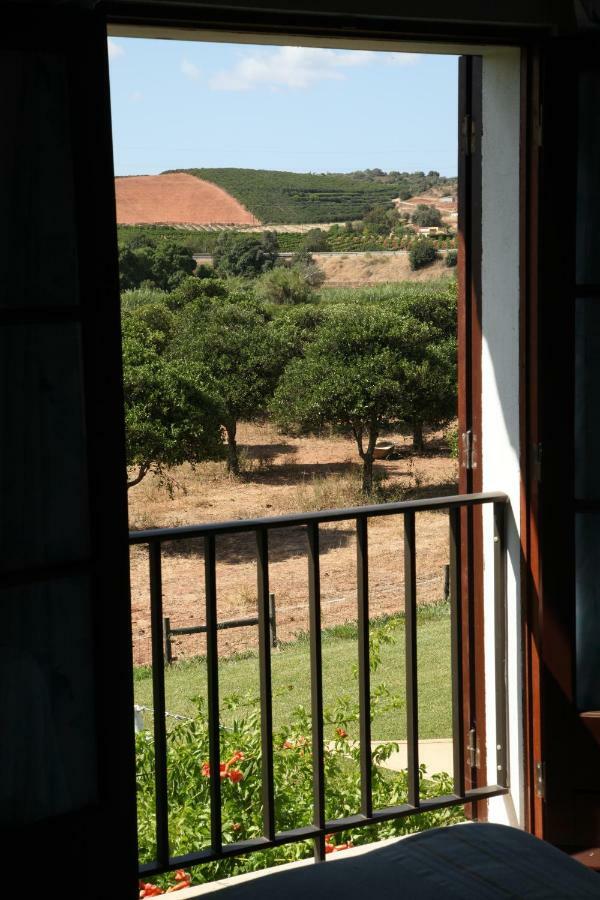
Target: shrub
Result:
[[284, 286], [421, 254], [451, 258], [240, 775]]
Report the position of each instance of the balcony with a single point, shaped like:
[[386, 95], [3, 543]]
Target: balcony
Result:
[[458, 507]]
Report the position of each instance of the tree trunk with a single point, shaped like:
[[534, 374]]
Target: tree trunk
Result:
[[233, 463], [367, 474], [367, 458], [418, 443], [142, 472]]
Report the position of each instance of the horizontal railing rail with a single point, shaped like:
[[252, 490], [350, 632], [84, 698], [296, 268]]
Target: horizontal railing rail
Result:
[[246, 622], [320, 827]]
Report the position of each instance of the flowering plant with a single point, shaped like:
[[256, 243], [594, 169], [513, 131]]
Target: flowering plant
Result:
[[189, 775]]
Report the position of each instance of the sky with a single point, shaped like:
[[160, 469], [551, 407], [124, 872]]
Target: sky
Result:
[[196, 104]]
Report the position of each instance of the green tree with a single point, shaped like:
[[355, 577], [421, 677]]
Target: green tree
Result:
[[247, 255], [431, 393], [381, 219], [134, 266], [315, 241], [421, 254], [235, 341], [162, 265], [357, 374], [296, 328], [171, 416], [171, 263], [192, 289], [426, 216]]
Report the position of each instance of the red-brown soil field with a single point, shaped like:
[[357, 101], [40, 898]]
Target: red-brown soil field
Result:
[[176, 199]]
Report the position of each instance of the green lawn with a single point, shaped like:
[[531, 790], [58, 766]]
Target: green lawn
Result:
[[291, 677]]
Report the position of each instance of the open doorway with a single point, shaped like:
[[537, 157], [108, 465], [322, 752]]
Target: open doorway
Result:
[[289, 320]]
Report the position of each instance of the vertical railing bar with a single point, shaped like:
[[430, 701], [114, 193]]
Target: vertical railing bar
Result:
[[502, 774], [410, 622], [364, 671], [158, 699], [316, 686], [212, 668], [264, 658], [458, 738]]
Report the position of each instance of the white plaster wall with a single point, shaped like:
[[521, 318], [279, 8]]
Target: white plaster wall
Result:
[[500, 387]]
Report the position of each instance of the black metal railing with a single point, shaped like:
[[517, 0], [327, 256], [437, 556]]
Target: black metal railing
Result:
[[154, 539]]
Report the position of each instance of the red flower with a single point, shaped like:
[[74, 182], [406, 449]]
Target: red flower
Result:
[[181, 875], [150, 890], [236, 826], [237, 756], [206, 770], [341, 732], [235, 775], [329, 848], [287, 745]]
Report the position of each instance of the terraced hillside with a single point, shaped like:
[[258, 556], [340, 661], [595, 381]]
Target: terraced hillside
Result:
[[290, 197]]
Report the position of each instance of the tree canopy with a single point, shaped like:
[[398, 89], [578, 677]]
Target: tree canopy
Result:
[[163, 265], [361, 373], [171, 415], [235, 342], [426, 216], [247, 255]]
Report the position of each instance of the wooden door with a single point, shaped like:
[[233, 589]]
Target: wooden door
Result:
[[566, 774], [470, 477]]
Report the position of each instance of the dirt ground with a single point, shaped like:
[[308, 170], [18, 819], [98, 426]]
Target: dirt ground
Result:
[[282, 475], [357, 269], [174, 198]]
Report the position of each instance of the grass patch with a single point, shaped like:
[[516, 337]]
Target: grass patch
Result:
[[291, 683]]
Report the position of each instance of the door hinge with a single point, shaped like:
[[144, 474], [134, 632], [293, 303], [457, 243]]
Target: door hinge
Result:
[[540, 779], [473, 749], [468, 134], [537, 461], [469, 441]]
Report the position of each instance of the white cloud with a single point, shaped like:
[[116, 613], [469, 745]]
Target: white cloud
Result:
[[291, 67], [190, 70], [136, 96], [114, 49]]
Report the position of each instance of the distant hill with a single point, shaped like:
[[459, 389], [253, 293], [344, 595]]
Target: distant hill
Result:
[[292, 198], [176, 199]]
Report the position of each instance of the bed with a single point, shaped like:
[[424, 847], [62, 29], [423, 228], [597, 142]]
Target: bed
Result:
[[469, 862]]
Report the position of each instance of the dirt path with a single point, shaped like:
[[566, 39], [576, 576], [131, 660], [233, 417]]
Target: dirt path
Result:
[[286, 475]]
